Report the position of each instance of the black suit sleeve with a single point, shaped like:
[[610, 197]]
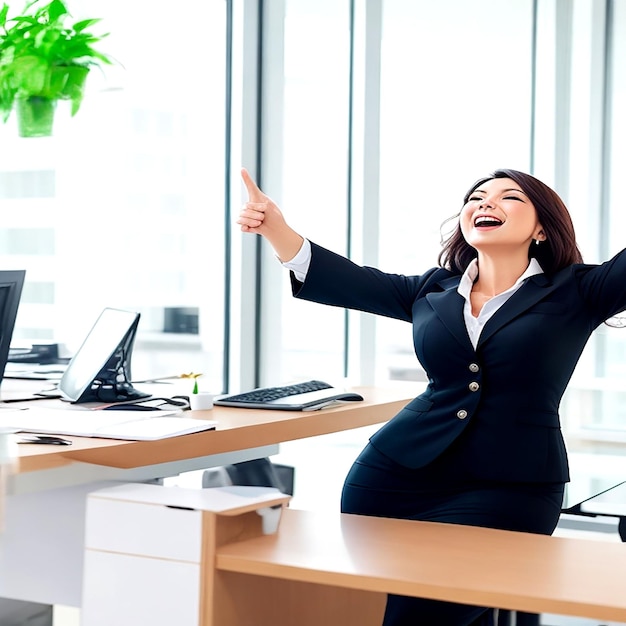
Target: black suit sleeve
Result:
[[332, 279], [603, 287]]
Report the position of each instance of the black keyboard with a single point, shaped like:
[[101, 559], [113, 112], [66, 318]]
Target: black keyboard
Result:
[[309, 395], [274, 393]]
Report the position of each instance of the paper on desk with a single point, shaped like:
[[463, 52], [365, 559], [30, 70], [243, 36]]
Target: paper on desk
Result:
[[131, 425]]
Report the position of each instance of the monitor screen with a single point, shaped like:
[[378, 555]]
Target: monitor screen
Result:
[[11, 284], [100, 369]]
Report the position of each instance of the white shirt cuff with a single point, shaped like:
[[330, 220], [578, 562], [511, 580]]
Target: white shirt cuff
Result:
[[299, 265]]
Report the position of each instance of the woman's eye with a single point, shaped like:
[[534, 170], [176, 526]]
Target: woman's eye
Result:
[[513, 198], [474, 199]]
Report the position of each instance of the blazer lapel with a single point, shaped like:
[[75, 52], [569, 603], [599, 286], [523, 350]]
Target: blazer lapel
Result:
[[448, 305], [533, 290]]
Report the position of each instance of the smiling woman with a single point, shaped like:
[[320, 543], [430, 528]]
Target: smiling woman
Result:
[[536, 213], [482, 444], [499, 222]]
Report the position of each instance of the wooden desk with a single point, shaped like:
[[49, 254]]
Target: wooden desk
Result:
[[238, 429], [41, 548], [320, 567], [335, 569]]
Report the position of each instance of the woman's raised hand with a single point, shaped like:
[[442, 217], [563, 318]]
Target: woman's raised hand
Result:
[[260, 215]]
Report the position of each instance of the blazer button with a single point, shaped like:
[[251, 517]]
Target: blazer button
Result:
[[462, 414], [474, 386], [474, 367]]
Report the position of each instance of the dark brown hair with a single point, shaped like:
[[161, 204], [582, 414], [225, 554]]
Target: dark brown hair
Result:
[[558, 250]]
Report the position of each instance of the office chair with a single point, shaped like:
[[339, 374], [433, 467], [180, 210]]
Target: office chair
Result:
[[256, 473]]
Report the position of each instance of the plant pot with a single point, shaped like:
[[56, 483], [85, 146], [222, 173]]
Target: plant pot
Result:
[[35, 116]]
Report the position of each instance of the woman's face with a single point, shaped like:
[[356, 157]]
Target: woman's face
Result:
[[499, 214]]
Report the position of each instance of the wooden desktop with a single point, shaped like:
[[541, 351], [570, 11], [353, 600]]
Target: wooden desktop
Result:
[[238, 429], [336, 569], [226, 568]]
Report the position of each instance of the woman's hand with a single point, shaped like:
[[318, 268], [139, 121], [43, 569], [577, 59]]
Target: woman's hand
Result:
[[262, 217], [259, 214]]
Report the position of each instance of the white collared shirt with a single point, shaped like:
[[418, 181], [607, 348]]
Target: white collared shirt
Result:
[[299, 265], [473, 324]]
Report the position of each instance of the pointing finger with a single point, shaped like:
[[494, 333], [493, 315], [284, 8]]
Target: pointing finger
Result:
[[254, 193]]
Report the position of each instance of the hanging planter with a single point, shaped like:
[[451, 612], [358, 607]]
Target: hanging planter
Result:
[[43, 61], [35, 116]]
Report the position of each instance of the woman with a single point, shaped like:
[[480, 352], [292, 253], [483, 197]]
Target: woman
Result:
[[498, 327]]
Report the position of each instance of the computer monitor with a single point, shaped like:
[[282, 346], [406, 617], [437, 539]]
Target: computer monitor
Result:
[[11, 284], [100, 369]]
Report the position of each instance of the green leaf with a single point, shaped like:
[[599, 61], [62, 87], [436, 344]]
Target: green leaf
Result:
[[46, 39], [3, 15], [69, 83], [56, 9], [83, 24], [30, 75], [7, 97]]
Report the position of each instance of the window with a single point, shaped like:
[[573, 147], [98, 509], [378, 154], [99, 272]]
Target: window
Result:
[[440, 95], [124, 205], [306, 173], [595, 403], [455, 95], [385, 159]]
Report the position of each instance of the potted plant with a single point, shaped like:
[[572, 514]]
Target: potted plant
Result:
[[42, 61]]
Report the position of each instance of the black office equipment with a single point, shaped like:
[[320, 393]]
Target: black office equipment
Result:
[[100, 369], [39, 361], [305, 396], [44, 439], [11, 284], [39, 353]]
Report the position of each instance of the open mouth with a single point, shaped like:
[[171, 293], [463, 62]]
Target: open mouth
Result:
[[487, 221]]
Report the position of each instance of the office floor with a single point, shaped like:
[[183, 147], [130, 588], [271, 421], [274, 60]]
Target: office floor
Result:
[[321, 464]]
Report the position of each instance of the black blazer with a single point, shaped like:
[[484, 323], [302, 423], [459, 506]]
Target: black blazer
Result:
[[498, 404]]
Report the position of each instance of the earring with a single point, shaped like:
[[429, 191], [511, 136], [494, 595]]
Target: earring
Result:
[[536, 242]]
